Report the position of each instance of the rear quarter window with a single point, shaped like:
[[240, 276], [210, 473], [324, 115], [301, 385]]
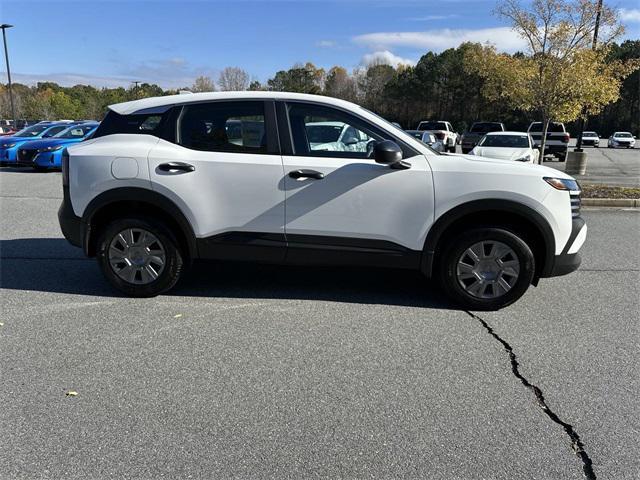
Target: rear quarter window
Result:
[[147, 124]]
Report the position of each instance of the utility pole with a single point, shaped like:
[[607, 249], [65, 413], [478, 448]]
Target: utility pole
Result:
[[135, 88], [594, 45], [4, 26]]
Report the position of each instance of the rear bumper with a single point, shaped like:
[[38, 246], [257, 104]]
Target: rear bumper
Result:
[[72, 226]]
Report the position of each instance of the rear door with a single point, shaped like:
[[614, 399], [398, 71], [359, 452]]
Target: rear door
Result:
[[341, 205], [224, 170]]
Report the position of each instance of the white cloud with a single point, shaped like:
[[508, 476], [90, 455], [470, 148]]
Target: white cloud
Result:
[[504, 38], [385, 57], [433, 17], [326, 43], [630, 14]]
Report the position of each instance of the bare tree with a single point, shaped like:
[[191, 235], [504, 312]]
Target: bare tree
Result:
[[203, 84], [233, 79]]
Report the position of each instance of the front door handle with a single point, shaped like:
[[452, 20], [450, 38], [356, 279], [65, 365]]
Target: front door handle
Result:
[[176, 167], [306, 174]]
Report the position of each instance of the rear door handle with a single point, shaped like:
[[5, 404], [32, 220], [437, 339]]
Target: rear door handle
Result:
[[306, 174], [176, 167]]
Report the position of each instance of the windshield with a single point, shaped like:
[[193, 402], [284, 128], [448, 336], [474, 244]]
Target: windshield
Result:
[[77, 131], [323, 133], [623, 135], [589, 134], [507, 141], [32, 131], [486, 127], [432, 126]]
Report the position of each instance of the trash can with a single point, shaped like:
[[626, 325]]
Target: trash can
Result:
[[576, 163]]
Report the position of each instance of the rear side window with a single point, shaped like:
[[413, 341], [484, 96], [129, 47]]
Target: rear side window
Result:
[[486, 127], [146, 123], [234, 127], [553, 127]]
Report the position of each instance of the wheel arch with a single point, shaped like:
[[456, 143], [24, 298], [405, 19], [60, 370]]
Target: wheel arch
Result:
[[117, 202], [494, 212]]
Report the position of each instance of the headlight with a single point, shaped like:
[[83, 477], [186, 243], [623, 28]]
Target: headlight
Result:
[[526, 158], [49, 149], [569, 185], [9, 145]]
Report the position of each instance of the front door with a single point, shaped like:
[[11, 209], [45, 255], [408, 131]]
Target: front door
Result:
[[340, 203]]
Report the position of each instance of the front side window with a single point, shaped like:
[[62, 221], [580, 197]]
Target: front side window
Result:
[[326, 132], [234, 127]]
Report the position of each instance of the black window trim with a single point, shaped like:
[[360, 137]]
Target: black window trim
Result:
[[271, 124], [286, 138]]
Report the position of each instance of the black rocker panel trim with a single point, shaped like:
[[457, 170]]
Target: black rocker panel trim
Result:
[[243, 246], [146, 198], [327, 250], [307, 250], [478, 206]]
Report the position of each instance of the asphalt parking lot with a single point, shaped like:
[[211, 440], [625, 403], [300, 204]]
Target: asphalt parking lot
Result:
[[264, 372]]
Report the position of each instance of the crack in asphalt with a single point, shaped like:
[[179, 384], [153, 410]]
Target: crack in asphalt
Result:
[[576, 442]]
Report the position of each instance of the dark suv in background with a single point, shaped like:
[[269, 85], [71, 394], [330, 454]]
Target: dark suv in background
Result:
[[478, 130]]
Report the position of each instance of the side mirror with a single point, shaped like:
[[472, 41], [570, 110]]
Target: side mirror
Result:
[[389, 153], [350, 140]]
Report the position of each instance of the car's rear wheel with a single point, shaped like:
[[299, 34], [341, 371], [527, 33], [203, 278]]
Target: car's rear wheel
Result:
[[486, 268], [139, 257]]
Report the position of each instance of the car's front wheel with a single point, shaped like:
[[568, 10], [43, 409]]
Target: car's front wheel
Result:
[[140, 257], [486, 268]]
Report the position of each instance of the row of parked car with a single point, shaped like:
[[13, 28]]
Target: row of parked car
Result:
[[40, 146], [491, 139]]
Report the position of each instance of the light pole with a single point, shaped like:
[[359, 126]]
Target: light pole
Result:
[[4, 26], [594, 45]]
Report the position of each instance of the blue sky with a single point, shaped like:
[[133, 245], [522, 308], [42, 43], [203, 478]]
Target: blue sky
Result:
[[107, 43]]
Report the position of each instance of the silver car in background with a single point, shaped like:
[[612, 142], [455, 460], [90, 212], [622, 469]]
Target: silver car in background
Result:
[[428, 138]]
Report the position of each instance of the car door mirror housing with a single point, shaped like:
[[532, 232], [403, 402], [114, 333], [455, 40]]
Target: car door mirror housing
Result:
[[350, 140], [388, 152]]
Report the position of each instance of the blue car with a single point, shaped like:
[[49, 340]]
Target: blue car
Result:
[[9, 145], [46, 153]]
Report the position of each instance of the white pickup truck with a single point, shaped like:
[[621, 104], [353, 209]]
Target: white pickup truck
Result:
[[443, 132], [557, 143]]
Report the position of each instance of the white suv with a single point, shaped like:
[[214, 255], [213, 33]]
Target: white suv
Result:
[[235, 176]]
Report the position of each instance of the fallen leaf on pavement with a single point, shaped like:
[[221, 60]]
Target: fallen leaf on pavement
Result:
[[177, 316], [71, 393]]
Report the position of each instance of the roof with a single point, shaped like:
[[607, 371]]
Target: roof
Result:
[[149, 104], [507, 133]]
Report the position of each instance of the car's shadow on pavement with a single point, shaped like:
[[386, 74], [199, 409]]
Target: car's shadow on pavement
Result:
[[52, 265]]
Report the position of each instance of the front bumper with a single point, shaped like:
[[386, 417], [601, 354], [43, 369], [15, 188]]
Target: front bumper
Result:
[[569, 260]]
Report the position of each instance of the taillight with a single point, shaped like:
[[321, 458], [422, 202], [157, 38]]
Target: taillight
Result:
[[440, 135], [65, 168], [566, 138]]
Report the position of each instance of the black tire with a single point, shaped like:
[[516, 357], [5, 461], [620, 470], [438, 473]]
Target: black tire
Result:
[[465, 151], [173, 266], [562, 157], [38, 168], [447, 268]]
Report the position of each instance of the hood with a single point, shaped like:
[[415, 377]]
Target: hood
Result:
[[11, 140], [494, 165], [49, 142], [501, 153]]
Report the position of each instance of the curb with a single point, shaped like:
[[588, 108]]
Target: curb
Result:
[[611, 202]]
